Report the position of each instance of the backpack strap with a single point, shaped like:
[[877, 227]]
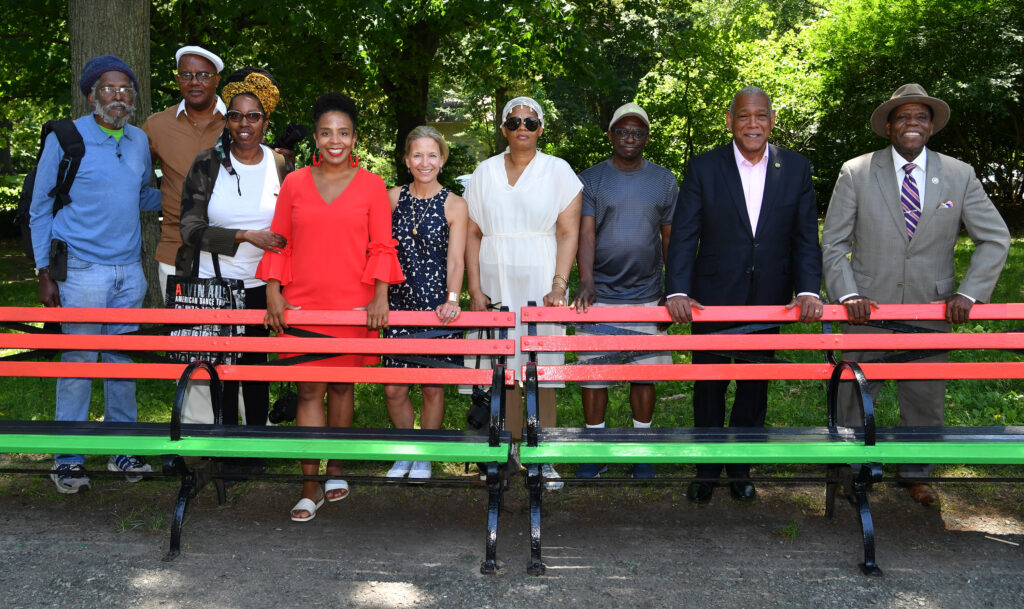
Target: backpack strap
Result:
[[71, 143]]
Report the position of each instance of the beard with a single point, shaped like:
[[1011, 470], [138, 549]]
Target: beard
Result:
[[104, 112]]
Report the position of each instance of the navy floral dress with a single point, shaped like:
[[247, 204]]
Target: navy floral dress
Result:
[[421, 230]]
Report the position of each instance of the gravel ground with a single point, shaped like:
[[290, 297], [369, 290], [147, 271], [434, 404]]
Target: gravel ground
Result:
[[421, 547]]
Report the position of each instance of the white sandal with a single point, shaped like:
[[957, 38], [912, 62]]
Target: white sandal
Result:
[[335, 485], [307, 505]]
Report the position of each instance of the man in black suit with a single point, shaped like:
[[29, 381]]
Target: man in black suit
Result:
[[745, 232]]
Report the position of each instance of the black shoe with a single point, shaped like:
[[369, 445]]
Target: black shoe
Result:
[[700, 492], [743, 491]]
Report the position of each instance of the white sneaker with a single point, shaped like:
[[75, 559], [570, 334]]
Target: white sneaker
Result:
[[399, 469], [69, 478], [132, 466], [552, 481], [421, 470]]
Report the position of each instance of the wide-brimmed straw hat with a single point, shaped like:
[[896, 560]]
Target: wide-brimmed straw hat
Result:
[[910, 94]]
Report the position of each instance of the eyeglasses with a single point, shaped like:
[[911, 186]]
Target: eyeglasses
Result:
[[623, 134], [112, 90], [202, 77], [512, 123], [236, 116]]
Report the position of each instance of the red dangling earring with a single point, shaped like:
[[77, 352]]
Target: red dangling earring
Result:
[[353, 159], [316, 158]]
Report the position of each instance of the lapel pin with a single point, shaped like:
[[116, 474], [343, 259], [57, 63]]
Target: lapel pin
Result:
[[778, 164], [935, 180]]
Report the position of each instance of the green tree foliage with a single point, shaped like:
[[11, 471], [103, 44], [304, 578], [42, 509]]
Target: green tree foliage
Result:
[[35, 65], [826, 64], [971, 54]]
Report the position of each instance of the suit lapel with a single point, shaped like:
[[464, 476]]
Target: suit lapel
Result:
[[889, 191], [932, 192], [772, 177], [732, 181]]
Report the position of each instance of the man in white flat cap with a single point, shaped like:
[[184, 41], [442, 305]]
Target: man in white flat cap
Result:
[[178, 134], [889, 235]]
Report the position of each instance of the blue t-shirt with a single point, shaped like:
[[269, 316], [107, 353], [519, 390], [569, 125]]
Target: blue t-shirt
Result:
[[101, 224], [629, 208]]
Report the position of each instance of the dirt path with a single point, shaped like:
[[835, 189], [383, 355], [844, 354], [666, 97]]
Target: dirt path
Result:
[[416, 547]]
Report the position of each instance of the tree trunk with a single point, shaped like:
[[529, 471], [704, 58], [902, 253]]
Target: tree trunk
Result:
[[118, 27], [407, 86], [500, 99]]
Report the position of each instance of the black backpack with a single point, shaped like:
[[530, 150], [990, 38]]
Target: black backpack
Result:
[[71, 143]]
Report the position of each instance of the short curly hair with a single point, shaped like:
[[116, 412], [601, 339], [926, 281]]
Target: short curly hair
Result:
[[335, 102]]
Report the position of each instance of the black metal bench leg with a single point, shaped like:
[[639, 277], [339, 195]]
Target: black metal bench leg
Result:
[[494, 492], [535, 483], [832, 481], [188, 489], [861, 485]]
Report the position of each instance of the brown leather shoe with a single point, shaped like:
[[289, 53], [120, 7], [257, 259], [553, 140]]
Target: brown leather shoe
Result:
[[922, 493]]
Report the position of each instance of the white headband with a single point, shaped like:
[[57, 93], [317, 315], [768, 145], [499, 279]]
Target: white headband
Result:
[[529, 102]]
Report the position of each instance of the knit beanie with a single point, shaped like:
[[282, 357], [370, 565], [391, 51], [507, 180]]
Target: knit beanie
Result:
[[97, 66]]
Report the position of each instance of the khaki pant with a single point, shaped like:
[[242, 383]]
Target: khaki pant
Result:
[[514, 407], [922, 403]]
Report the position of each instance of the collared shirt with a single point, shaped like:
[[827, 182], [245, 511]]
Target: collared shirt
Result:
[[175, 141], [919, 173], [101, 224], [752, 176], [217, 107]]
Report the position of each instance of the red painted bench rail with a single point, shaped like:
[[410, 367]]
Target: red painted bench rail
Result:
[[256, 344], [307, 373], [762, 313], [754, 342], [467, 319], [782, 372], [284, 344]]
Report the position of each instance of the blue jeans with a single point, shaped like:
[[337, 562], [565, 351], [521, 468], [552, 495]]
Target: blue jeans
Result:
[[94, 285]]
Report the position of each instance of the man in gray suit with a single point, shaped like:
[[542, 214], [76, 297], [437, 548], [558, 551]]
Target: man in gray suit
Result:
[[897, 213]]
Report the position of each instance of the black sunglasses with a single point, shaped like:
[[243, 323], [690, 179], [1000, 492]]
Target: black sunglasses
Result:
[[512, 123]]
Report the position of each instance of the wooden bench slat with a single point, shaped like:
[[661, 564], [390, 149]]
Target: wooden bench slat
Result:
[[298, 317], [774, 452], [785, 372], [307, 373], [255, 344], [271, 448], [886, 312], [774, 342]]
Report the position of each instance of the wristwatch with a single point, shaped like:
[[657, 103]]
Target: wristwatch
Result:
[[42, 271], [453, 297]]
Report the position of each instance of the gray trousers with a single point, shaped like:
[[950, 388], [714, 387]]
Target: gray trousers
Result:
[[922, 403]]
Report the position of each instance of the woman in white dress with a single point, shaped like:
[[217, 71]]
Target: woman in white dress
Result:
[[524, 212]]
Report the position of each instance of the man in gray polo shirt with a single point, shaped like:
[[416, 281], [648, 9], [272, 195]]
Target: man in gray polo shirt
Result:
[[628, 203]]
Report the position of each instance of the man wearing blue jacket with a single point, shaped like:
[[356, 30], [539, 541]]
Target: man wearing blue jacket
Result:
[[97, 238]]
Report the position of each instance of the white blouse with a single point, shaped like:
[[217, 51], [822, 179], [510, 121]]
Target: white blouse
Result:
[[517, 252]]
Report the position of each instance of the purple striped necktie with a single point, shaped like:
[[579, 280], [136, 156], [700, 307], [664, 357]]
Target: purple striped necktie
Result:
[[911, 199]]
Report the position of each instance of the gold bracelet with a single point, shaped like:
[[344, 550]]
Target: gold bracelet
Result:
[[562, 277]]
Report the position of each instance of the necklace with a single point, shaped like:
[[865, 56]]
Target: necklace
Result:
[[423, 212]]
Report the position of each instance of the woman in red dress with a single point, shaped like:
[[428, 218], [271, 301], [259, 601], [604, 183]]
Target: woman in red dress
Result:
[[340, 255]]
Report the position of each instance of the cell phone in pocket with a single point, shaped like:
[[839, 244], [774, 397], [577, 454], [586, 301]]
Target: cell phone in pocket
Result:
[[58, 260]]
